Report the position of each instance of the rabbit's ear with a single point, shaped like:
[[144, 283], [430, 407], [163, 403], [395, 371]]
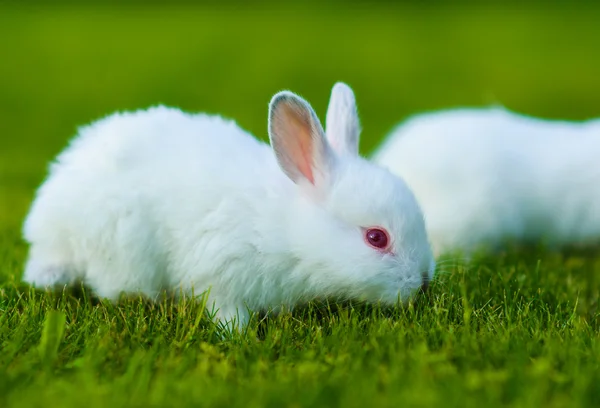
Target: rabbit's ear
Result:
[[343, 126], [298, 139]]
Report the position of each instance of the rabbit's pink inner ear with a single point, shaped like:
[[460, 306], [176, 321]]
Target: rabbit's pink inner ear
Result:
[[295, 141]]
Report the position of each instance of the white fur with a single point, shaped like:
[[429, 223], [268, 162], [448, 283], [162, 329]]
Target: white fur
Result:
[[343, 126], [160, 199], [483, 176]]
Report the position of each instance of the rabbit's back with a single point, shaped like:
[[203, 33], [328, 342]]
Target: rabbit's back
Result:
[[157, 141], [483, 175]]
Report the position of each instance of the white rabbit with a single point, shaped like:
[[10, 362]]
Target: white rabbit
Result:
[[160, 199], [486, 175]]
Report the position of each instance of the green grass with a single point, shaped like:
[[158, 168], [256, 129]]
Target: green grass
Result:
[[520, 328]]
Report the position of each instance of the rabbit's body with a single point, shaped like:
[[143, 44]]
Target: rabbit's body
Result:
[[159, 200], [168, 191], [483, 176]]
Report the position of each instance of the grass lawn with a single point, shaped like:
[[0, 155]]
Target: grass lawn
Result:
[[520, 328]]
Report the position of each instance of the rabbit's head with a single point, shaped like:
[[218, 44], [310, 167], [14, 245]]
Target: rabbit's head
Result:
[[357, 231]]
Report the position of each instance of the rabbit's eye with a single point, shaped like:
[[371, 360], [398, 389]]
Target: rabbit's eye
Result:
[[377, 238]]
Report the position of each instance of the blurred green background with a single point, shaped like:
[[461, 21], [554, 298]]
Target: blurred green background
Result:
[[64, 65]]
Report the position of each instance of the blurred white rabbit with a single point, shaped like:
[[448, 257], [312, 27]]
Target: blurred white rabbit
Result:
[[160, 199], [486, 175]]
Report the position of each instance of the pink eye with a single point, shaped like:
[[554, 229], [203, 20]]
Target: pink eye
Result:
[[377, 238]]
